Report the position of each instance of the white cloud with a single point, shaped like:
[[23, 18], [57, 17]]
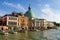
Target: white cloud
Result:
[[49, 14], [56, 1], [3, 13], [17, 6]]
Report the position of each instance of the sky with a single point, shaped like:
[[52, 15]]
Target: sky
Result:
[[47, 9]]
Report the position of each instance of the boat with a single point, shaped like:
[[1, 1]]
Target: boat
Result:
[[2, 32], [6, 33], [37, 30], [52, 27], [11, 32]]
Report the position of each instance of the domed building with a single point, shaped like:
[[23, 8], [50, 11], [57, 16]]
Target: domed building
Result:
[[33, 21], [30, 14]]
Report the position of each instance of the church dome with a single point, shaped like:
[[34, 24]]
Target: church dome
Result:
[[30, 13]]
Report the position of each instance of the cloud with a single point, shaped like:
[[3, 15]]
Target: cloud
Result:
[[17, 6], [49, 14], [56, 1], [3, 13]]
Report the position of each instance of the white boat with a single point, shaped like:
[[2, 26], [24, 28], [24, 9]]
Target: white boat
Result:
[[37, 30], [3, 32]]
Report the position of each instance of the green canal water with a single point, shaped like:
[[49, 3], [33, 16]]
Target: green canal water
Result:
[[51, 34]]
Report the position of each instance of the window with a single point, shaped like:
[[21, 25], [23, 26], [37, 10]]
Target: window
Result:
[[12, 18], [12, 23]]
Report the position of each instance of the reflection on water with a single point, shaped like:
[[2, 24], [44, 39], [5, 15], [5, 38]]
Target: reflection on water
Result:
[[51, 34]]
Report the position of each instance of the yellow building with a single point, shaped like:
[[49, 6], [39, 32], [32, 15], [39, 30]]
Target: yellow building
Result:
[[37, 23], [26, 22], [22, 22], [43, 23], [4, 27], [19, 21], [50, 24]]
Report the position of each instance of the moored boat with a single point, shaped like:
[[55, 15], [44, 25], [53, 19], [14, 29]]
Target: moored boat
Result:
[[3, 32], [11, 32]]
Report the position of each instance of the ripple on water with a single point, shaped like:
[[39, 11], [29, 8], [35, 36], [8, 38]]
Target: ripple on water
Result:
[[51, 34]]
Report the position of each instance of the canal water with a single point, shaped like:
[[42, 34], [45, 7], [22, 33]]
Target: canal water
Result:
[[51, 34]]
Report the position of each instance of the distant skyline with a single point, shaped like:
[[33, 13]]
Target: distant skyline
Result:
[[47, 9]]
